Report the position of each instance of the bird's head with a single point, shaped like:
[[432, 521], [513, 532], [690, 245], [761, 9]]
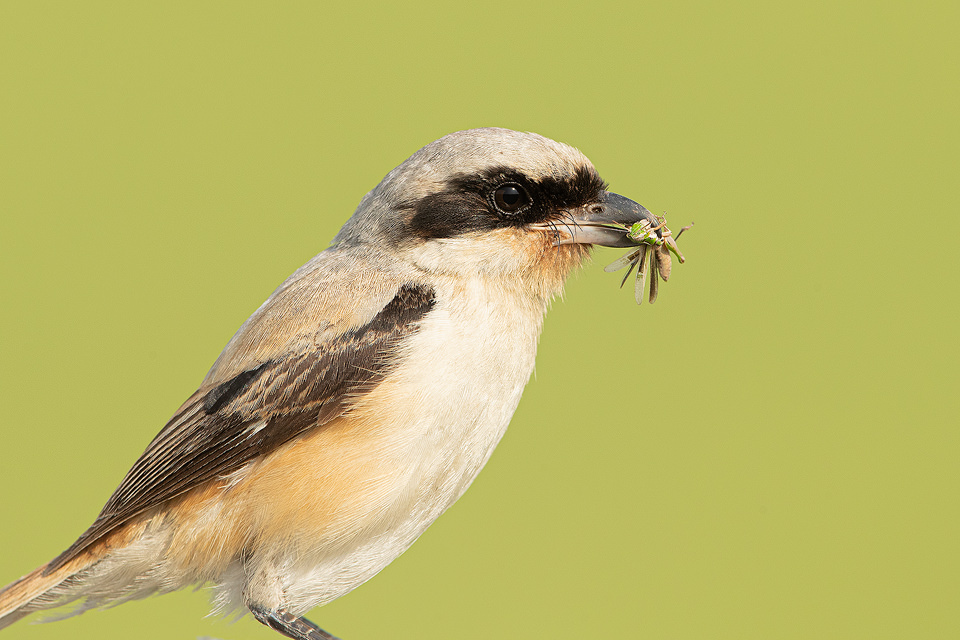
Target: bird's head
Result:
[[493, 202]]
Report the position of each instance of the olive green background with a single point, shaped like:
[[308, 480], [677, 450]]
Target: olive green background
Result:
[[770, 451]]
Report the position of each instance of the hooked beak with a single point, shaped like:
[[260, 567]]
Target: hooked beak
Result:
[[599, 223]]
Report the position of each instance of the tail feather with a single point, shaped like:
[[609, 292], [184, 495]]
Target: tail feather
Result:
[[34, 592]]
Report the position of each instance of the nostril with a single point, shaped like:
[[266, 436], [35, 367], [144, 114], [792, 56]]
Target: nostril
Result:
[[597, 209]]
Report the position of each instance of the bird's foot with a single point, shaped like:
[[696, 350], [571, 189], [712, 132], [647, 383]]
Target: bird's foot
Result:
[[290, 625]]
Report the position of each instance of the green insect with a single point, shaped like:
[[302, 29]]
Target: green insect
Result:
[[658, 247]]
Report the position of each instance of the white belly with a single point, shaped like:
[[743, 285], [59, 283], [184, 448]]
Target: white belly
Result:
[[432, 426]]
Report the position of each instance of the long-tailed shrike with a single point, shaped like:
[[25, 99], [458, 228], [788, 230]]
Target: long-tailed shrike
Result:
[[360, 400]]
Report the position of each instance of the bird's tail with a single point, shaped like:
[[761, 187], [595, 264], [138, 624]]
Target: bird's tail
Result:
[[36, 591]]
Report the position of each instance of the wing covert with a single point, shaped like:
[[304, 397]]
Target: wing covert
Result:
[[221, 428]]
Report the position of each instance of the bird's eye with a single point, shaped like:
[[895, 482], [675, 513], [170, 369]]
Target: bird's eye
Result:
[[510, 198]]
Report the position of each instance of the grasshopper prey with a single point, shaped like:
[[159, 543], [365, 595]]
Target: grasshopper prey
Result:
[[657, 242]]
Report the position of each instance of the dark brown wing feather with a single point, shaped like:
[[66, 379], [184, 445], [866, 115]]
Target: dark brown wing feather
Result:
[[219, 429]]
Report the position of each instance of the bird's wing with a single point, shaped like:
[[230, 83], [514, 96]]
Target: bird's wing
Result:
[[223, 426]]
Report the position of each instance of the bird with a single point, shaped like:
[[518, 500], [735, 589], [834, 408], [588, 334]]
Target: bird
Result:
[[360, 401]]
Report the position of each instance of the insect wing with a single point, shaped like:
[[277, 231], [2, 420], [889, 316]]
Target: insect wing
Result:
[[629, 271], [641, 276], [664, 263], [620, 263], [654, 277]]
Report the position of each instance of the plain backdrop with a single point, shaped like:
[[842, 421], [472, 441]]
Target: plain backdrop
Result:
[[770, 451]]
